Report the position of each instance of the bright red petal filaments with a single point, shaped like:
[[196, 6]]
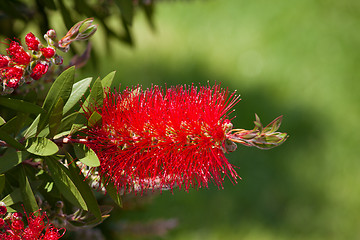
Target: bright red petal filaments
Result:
[[18, 54], [163, 137], [32, 42]]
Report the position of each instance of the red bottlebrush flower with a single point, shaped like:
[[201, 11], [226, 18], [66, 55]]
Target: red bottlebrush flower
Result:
[[32, 42], [4, 61], [39, 70], [163, 137], [48, 52], [18, 54], [36, 229]]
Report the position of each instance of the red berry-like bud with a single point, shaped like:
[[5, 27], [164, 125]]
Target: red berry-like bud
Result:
[[13, 83], [4, 61], [3, 210], [18, 54], [10, 73], [16, 216], [32, 42], [17, 225], [48, 52], [39, 70]]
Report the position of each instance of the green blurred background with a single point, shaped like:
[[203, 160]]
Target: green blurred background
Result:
[[296, 58]]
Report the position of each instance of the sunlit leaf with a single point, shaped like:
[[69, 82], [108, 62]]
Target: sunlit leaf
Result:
[[77, 93], [113, 193], [12, 198], [41, 146], [55, 117], [86, 155]]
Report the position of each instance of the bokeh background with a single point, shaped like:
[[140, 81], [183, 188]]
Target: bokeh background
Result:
[[295, 58]]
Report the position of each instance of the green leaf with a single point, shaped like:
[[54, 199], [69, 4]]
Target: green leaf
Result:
[[61, 88], [112, 191], [86, 155], [67, 123], [12, 198], [95, 99], [20, 105], [84, 188], [10, 140], [2, 121], [14, 125], [2, 182], [27, 193], [94, 119], [55, 117], [31, 131], [77, 93], [61, 176], [11, 158], [107, 81], [41, 146], [65, 13]]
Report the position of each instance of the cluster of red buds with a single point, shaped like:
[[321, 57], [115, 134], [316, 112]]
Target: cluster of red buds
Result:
[[12, 226], [20, 66]]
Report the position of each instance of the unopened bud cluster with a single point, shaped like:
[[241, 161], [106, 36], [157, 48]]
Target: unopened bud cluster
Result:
[[21, 66]]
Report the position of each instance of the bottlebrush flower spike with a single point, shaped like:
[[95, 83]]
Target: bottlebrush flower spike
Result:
[[163, 137]]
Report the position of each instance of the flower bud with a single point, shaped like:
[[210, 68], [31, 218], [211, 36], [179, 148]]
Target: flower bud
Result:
[[17, 225], [39, 70], [3, 210], [4, 61], [48, 52], [32, 42], [58, 60], [51, 34]]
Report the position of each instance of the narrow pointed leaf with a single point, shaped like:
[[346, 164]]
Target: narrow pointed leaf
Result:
[[274, 125], [11, 158], [10, 140], [41, 146], [94, 119], [86, 155], [12, 198], [27, 193], [107, 81], [84, 188], [113, 193], [31, 131], [61, 88], [127, 10], [20, 105], [95, 98], [77, 93], [55, 117], [2, 121], [61, 176]]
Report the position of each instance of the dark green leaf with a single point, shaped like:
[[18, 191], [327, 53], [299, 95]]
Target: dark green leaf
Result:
[[12, 198], [41, 146], [61, 88], [55, 117], [27, 193], [84, 188], [10, 140], [2, 182], [112, 191], [61, 176], [86, 155], [67, 123], [11, 158], [20, 105], [78, 91], [107, 81], [14, 125]]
